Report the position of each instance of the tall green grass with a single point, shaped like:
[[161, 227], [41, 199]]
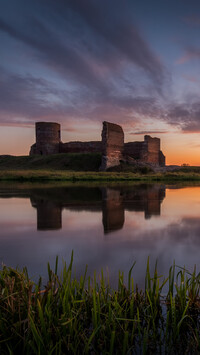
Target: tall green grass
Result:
[[86, 316]]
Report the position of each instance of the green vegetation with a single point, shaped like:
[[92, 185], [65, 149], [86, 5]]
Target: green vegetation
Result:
[[84, 167], [86, 316], [70, 161], [61, 175]]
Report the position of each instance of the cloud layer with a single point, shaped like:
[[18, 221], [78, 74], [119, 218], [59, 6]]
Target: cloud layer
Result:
[[97, 53], [85, 60]]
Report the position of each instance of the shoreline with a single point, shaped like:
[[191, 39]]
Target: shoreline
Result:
[[85, 167], [63, 175]]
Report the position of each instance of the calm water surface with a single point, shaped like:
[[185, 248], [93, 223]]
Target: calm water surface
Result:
[[108, 227]]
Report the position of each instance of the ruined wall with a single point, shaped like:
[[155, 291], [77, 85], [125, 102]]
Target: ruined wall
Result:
[[47, 138], [145, 152], [134, 149], [153, 144], [155, 155], [81, 147], [161, 159], [112, 145], [153, 149]]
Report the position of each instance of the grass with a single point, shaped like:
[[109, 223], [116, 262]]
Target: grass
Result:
[[83, 167], [61, 175], [87, 316], [64, 162]]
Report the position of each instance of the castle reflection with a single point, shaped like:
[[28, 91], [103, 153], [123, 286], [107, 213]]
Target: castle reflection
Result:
[[111, 201], [49, 214]]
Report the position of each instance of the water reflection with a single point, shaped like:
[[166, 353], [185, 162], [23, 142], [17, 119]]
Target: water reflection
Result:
[[112, 201], [49, 214], [106, 226]]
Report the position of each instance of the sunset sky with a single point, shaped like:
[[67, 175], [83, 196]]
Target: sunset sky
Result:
[[80, 62]]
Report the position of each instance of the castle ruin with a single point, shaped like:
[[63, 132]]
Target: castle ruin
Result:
[[112, 146]]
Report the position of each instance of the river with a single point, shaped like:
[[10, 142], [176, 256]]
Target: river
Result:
[[107, 226]]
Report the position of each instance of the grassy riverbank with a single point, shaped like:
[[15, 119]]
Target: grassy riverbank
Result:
[[60, 175], [86, 316], [84, 167]]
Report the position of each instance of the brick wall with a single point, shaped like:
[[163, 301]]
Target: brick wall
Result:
[[81, 147], [112, 145]]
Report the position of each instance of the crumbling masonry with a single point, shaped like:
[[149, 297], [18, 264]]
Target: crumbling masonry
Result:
[[112, 146]]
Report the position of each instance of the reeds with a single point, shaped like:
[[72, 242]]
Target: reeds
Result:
[[86, 316]]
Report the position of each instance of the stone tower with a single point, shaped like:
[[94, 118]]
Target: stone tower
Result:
[[47, 138]]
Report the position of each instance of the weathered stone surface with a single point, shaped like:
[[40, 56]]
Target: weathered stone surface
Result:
[[47, 138], [81, 147], [152, 149], [145, 152], [33, 149], [133, 149], [161, 159], [112, 145]]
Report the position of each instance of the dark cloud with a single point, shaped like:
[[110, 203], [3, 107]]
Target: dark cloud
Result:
[[93, 62], [116, 28], [24, 99], [185, 115], [54, 53], [98, 44], [96, 52]]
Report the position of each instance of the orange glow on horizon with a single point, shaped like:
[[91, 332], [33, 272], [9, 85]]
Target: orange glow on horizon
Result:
[[181, 148], [183, 158], [184, 201]]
